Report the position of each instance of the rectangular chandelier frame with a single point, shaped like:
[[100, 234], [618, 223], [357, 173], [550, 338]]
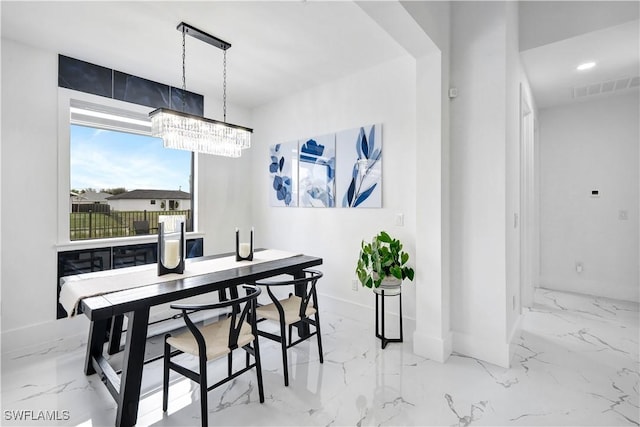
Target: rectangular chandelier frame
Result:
[[184, 131], [193, 116]]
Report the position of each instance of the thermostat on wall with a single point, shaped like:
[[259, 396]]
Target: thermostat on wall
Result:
[[595, 193]]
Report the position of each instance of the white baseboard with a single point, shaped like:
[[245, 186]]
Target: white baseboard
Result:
[[434, 348], [345, 308], [33, 338], [515, 333], [495, 352]]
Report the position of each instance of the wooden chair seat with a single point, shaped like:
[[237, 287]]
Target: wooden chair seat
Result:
[[216, 338], [291, 308]]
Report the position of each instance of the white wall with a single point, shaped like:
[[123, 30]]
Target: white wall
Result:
[[422, 29], [512, 145], [223, 197], [384, 94], [30, 166], [587, 146], [484, 144], [434, 19], [433, 338]]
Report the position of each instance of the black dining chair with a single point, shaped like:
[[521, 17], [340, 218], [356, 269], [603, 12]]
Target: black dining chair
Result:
[[214, 340], [300, 311]]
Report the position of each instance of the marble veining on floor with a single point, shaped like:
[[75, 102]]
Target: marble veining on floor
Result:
[[576, 363]]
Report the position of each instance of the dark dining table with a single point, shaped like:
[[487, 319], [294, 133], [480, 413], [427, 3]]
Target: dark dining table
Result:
[[135, 304]]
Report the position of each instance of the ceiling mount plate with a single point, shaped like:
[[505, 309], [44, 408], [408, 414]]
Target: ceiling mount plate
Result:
[[205, 37]]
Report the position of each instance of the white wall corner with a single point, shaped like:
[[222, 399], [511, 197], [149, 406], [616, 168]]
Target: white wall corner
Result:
[[514, 336], [433, 348], [492, 351], [401, 26]]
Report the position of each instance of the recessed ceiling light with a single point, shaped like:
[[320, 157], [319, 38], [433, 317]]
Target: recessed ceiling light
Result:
[[586, 66]]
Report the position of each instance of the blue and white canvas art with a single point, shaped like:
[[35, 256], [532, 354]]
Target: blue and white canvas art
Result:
[[359, 167], [283, 171], [317, 167]]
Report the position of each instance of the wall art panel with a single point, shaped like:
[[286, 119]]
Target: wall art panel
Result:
[[317, 168], [359, 167], [283, 171]]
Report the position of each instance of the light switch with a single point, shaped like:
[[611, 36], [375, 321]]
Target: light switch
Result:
[[400, 220]]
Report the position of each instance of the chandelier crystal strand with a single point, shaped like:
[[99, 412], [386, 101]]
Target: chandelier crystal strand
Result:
[[191, 134]]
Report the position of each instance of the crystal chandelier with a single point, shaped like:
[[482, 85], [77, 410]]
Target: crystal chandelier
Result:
[[184, 131]]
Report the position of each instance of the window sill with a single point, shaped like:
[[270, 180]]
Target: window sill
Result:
[[116, 241]]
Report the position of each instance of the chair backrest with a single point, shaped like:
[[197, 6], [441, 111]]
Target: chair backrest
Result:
[[310, 279], [238, 315]]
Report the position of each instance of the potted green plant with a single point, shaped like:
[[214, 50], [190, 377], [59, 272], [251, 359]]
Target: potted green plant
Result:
[[383, 261]]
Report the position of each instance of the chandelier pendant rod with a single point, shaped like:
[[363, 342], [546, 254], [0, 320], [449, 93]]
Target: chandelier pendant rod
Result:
[[184, 70]]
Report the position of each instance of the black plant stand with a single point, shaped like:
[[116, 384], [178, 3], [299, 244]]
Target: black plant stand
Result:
[[381, 294]]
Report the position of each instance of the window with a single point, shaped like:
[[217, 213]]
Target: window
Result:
[[118, 171]]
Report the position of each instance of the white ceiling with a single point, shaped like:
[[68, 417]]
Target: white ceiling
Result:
[[277, 47], [551, 68], [282, 47]]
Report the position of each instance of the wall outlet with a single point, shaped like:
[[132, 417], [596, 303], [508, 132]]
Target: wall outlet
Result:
[[355, 285], [579, 267]]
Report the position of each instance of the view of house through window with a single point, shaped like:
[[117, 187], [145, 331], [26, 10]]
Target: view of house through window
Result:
[[122, 181]]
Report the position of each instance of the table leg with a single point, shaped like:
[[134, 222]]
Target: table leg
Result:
[[131, 377], [95, 344], [115, 334]]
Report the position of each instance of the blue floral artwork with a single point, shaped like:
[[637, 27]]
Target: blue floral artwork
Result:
[[359, 168], [317, 169], [283, 170]]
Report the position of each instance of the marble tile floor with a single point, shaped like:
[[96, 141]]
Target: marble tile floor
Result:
[[575, 363]]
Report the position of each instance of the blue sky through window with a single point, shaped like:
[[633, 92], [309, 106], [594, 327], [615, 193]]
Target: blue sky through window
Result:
[[103, 159]]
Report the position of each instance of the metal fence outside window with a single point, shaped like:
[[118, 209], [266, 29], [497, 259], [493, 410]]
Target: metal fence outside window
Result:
[[98, 225]]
